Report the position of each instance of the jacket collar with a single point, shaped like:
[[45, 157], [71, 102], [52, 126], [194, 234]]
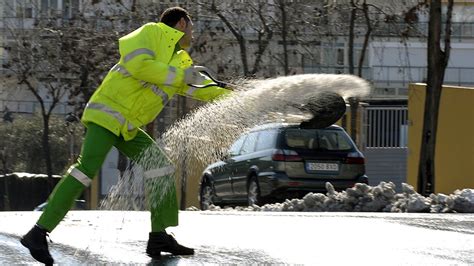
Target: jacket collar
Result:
[[171, 35]]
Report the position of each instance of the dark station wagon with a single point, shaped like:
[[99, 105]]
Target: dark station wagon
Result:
[[278, 161]]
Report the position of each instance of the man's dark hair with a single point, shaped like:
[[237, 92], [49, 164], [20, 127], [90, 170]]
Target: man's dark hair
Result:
[[172, 15]]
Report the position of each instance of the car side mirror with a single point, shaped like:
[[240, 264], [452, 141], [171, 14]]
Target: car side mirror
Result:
[[227, 155], [223, 154]]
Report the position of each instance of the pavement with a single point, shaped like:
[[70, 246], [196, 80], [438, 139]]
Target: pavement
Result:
[[309, 238]]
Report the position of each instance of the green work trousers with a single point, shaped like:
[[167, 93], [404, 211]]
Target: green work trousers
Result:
[[160, 191]]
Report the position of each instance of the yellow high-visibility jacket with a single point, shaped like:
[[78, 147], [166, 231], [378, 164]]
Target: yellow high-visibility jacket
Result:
[[149, 73]]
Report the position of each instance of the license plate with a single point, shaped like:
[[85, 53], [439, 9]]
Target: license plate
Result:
[[322, 167]]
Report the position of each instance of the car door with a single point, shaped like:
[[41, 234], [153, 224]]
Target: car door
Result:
[[241, 165], [258, 159], [222, 174]]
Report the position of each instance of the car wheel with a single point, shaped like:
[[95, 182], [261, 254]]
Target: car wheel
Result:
[[207, 196], [253, 192]]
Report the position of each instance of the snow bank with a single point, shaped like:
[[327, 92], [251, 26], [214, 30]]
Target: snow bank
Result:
[[29, 175], [365, 198]]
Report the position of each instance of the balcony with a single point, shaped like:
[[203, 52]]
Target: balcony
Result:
[[30, 107], [397, 76], [460, 30], [393, 80]]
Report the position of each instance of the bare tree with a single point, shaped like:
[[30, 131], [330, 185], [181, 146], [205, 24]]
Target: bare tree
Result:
[[290, 20], [366, 17], [354, 101], [29, 63], [57, 59], [358, 15], [284, 34], [438, 59], [256, 21]]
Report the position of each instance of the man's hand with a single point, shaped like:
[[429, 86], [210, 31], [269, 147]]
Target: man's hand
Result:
[[193, 76], [224, 85]]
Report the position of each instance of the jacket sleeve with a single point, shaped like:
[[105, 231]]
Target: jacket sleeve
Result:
[[204, 94], [138, 58]]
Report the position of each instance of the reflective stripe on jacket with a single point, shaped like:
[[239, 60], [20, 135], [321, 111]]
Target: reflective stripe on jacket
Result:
[[149, 73]]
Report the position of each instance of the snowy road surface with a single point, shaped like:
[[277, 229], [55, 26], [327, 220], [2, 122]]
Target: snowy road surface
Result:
[[87, 237]]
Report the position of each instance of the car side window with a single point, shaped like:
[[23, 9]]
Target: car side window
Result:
[[249, 144], [266, 140], [235, 148]]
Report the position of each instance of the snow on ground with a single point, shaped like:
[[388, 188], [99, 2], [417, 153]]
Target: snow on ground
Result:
[[29, 175], [365, 198]]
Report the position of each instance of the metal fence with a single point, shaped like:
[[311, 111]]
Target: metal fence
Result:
[[385, 127]]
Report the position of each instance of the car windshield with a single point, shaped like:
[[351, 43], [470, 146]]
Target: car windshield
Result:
[[317, 139]]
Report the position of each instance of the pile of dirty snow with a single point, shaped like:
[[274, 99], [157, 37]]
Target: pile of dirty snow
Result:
[[365, 198]]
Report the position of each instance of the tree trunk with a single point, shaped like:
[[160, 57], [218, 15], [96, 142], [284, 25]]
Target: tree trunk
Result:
[[6, 194], [354, 109], [437, 62], [45, 134], [184, 178], [181, 107], [350, 53], [183, 164], [284, 29], [243, 54], [47, 151], [365, 9], [353, 102]]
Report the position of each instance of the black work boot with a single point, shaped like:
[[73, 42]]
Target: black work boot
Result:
[[35, 241], [162, 242]]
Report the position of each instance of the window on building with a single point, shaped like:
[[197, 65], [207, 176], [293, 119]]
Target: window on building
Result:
[[358, 52], [23, 8], [340, 56], [294, 57], [332, 54], [49, 7], [18, 7], [71, 8], [311, 60], [8, 9]]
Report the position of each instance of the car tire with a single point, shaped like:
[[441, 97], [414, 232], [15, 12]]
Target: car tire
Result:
[[253, 192], [206, 196]]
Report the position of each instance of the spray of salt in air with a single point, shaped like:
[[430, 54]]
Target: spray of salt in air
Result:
[[199, 138]]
